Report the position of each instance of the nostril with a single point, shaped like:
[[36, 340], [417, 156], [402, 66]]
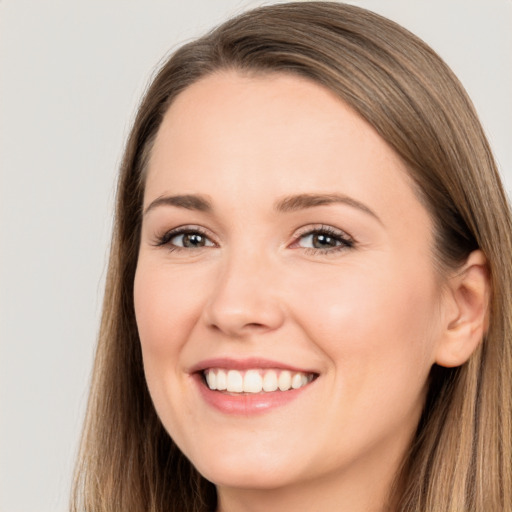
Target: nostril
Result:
[[254, 325], [241, 328]]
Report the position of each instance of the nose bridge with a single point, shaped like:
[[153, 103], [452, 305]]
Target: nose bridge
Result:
[[243, 298]]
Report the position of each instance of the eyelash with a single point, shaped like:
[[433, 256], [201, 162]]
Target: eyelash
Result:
[[345, 241], [164, 240]]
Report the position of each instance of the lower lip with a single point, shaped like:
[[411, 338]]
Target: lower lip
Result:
[[247, 403]]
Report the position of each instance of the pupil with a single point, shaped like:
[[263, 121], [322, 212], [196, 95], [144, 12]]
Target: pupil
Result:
[[321, 241], [193, 240]]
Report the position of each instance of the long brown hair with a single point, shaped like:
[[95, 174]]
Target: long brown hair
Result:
[[461, 458]]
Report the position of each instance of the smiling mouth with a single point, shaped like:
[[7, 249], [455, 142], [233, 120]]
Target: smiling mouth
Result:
[[257, 380]]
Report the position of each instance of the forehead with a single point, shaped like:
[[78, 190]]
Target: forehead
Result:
[[226, 110], [272, 135]]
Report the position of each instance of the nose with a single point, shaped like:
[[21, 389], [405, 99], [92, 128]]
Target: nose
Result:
[[245, 298]]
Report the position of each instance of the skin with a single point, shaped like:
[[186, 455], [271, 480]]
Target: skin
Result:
[[369, 319]]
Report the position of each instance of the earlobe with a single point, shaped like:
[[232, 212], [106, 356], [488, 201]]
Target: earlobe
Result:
[[466, 312]]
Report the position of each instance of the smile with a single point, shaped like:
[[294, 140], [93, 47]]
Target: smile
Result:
[[255, 380], [244, 387]]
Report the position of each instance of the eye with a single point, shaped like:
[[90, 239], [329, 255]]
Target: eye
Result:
[[324, 239], [185, 238], [319, 241], [190, 240]]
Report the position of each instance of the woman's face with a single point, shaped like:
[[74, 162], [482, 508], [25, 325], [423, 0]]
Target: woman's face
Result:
[[283, 247]]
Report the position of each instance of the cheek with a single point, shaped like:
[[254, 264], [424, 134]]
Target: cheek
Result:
[[376, 329], [356, 298], [164, 310], [372, 319]]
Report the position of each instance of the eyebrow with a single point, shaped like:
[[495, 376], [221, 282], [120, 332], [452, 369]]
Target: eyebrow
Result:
[[287, 204], [303, 201], [187, 201]]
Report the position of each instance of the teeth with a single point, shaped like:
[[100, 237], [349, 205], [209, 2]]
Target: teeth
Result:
[[235, 382], [253, 383], [297, 381], [222, 381], [211, 379], [285, 381], [270, 381], [255, 380]]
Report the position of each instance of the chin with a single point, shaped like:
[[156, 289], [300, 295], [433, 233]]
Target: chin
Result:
[[249, 479], [248, 471]]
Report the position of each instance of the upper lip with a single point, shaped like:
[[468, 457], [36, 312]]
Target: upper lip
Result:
[[245, 364]]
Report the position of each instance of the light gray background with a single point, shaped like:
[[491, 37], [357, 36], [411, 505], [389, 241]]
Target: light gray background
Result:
[[71, 76]]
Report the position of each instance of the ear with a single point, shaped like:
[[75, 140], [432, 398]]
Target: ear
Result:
[[466, 308]]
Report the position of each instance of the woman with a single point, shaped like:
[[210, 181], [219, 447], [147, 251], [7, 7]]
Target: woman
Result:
[[308, 297]]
